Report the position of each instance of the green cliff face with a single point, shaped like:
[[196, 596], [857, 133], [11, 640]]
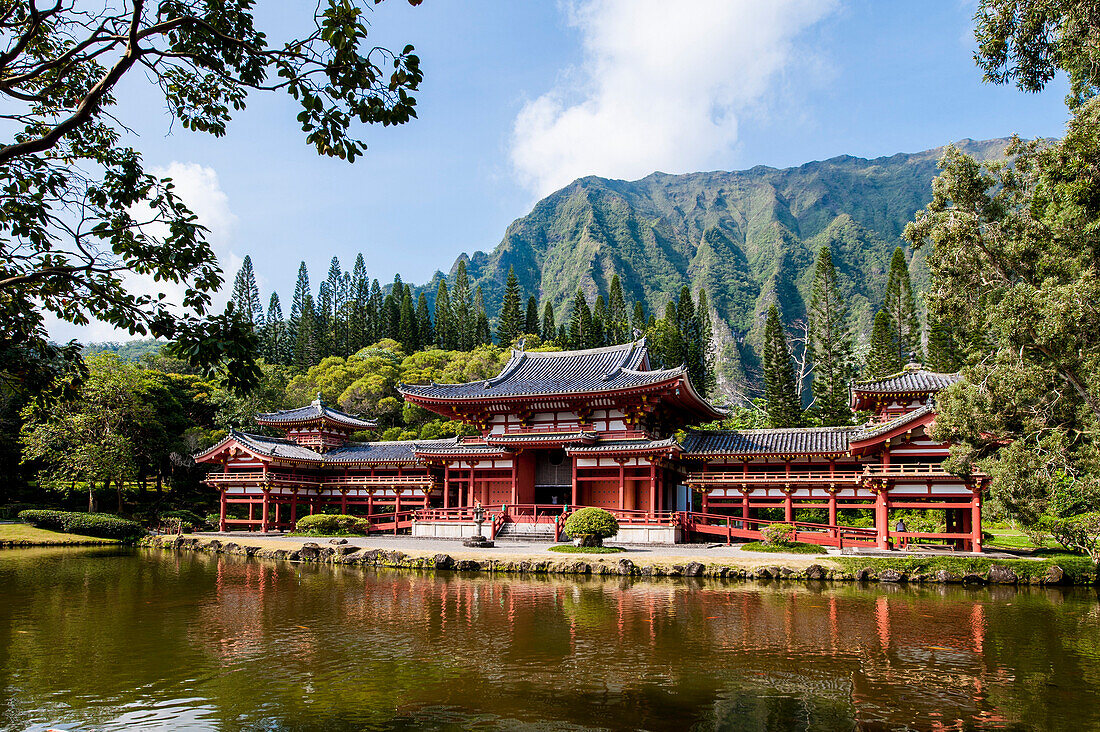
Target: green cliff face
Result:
[[749, 237]]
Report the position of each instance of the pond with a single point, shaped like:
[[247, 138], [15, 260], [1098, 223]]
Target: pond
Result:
[[123, 639]]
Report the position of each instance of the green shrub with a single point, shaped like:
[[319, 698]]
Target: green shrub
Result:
[[189, 519], [101, 525], [325, 524], [591, 521], [1077, 533], [778, 534], [570, 549], [794, 547]]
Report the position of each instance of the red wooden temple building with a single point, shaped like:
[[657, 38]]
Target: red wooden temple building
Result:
[[561, 430]]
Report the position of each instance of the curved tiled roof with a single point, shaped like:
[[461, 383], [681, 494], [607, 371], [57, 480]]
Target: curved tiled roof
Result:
[[315, 411], [275, 446], [528, 438], [874, 430], [456, 447], [613, 446], [786, 441], [531, 373], [910, 380], [403, 451]]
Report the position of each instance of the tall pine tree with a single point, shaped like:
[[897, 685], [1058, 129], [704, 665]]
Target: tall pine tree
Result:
[[358, 322], [462, 307], [900, 305], [884, 358], [407, 331], [599, 322], [510, 322], [638, 320], [830, 344], [780, 392], [275, 349], [618, 322], [945, 353], [549, 328], [580, 322], [375, 314], [424, 322], [482, 334], [306, 351], [531, 317], [444, 323], [246, 295], [707, 383], [297, 304]]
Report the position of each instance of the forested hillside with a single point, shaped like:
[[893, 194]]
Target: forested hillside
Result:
[[748, 237]]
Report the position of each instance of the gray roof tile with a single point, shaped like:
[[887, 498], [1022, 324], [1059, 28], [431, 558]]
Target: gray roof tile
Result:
[[914, 380], [786, 441], [532, 373], [623, 445], [873, 430], [316, 410]]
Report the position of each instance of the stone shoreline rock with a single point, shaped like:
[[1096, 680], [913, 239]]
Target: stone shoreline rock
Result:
[[344, 554]]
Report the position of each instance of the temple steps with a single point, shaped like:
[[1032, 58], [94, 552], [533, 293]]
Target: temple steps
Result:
[[527, 532]]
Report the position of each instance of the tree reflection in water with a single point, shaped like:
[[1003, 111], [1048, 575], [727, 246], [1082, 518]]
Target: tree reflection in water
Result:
[[114, 639]]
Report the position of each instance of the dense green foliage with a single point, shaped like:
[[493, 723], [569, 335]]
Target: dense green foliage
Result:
[[591, 521], [778, 534], [570, 549], [780, 393], [99, 525], [830, 344], [321, 524]]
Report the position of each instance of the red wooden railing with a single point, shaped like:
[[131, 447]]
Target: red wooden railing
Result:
[[722, 525]]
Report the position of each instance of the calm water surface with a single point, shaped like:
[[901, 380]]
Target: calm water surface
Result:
[[133, 640]]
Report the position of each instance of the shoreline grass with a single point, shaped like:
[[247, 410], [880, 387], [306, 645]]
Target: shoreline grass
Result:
[[18, 535], [570, 549], [795, 547]]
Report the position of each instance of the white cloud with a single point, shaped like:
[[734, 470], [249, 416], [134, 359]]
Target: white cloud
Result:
[[661, 86], [200, 189]]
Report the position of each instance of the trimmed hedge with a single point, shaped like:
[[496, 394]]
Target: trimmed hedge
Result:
[[325, 524], [791, 547], [778, 535], [591, 521], [100, 525]]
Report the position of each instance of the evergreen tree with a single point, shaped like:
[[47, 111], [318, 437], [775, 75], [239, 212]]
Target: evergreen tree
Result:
[[444, 325], [549, 329], [638, 320], [693, 347], [600, 317], [618, 322], [246, 296], [297, 304], [830, 344], [305, 346], [900, 305], [482, 334], [424, 332], [337, 335], [510, 323], [707, 383], [884, 358], [531, 319], [670, 341], [406, 328], [322, 320], [358, 322], [274, 333], [462, 307], [945, 353], [780, 392], [562, 338], [375, 313], [580, 322]]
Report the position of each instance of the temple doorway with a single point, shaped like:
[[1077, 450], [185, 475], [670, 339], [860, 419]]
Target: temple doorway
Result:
[[553, 477]]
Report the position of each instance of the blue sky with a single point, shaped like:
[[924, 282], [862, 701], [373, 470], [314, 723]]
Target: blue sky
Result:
[[519, 98]]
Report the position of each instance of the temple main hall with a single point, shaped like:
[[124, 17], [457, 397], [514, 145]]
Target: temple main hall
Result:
[[557, 431]]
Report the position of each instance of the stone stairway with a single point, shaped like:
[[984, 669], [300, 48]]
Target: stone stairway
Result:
[[526, 532]]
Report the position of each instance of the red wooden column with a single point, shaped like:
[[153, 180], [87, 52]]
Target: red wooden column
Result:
[[976, 519], [396, 501], [343, 500], [788, 502], [622, 482], [653, 486], [882, 519], [745, 504], [370, 502], [515, 479], [446, 485], [574, 503], [832, 495], [221, 513], [294, 508], [267, 503]]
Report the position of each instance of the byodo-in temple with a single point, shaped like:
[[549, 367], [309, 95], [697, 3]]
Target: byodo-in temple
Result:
[[563, 430]]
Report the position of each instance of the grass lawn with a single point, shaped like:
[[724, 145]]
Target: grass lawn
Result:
[[1009, 539], [795, 547], [24, 533], [570, 549]]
